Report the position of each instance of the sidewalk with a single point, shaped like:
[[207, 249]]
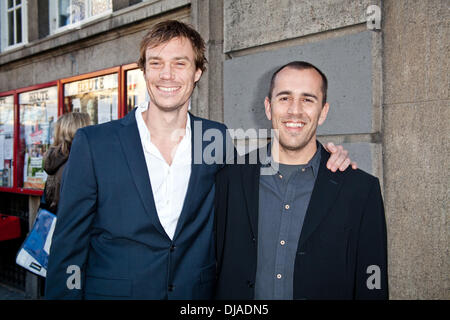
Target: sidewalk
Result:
[[8, 293]]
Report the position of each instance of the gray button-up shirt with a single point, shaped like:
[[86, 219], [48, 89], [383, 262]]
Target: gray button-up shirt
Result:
[[283, 200]]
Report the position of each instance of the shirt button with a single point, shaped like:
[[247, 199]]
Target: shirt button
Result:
[[286, 207], [279, 276], [282, 242], [281, 177], [303, 169]]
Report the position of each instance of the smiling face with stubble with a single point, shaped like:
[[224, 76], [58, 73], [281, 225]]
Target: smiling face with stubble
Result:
[[296, 108], [171, 74]]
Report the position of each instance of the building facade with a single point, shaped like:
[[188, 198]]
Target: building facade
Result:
[[386, 62]]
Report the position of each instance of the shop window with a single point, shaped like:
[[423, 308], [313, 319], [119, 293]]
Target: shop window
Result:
[[70, 13], [28, 117], [97, 96], [38, 114], [136, 89], [6, 141], [14, 29]]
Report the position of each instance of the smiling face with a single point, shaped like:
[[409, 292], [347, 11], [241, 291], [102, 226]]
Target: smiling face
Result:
[[295, 109], [170, 74]]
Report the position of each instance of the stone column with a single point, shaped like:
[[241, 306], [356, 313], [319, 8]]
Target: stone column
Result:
[[416, 113], [207, 18]]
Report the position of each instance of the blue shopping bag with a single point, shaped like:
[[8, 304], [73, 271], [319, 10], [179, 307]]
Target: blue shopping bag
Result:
[[33, 255]]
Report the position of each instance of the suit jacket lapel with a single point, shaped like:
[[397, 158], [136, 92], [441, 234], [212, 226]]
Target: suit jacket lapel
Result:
[[325, 191], [196, 137], [132, 148]]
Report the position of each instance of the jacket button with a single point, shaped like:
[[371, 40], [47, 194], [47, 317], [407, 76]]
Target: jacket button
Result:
[[172, 248], [250, 284], [171, 287]]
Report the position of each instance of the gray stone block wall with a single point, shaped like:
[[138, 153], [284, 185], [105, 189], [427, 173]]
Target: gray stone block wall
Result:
[[250, 23], [416, 142], [347, 63]]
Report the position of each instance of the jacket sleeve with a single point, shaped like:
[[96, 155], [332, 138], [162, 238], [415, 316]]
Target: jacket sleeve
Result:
[[76, 211], [371, 274]]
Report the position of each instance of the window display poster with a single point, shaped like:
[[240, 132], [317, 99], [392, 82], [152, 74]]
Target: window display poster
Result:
[[104, 109], [76, 105], [2, 154], [6, 140], [95, 96], [38, 114], [8, 148], [136, 89]]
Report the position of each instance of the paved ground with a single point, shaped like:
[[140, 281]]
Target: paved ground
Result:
[[8, 293]]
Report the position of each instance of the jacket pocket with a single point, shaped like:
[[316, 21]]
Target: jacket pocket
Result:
[[205, 287], [208, 273], [108, 287]]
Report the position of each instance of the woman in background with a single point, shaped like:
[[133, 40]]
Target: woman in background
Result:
[[56, 157]]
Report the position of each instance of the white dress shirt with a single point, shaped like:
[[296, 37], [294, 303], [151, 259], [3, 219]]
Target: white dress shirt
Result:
[[169, 182]]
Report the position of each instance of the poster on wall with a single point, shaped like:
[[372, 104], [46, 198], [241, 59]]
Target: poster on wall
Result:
[[6, 140], [95, 96], [136, 89], [38, 114]]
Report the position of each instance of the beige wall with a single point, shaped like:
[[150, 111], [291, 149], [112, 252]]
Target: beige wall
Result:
[[416, 141]]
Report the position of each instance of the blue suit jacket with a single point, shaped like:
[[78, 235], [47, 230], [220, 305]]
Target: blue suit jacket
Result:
[[108, 225]]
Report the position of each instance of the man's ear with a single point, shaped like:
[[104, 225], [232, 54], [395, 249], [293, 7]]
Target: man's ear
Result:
[[324, 113], [198, 75], [268, 108]]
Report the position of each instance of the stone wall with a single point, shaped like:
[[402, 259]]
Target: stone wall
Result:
[[416, 142]]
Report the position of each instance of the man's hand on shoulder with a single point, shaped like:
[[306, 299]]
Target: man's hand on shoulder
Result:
[[339, 158]]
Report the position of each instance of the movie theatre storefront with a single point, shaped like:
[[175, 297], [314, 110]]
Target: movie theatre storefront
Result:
[[27, 119]]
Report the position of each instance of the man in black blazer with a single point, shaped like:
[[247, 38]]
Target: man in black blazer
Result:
[[288, 228]]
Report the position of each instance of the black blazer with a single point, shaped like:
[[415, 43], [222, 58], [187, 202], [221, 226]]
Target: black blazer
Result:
[[342, 250]]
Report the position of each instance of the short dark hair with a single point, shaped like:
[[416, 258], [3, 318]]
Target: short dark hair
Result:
[[300, 65], [167, 30]]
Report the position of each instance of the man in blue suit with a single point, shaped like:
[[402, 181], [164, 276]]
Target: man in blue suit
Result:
[[135, 220]]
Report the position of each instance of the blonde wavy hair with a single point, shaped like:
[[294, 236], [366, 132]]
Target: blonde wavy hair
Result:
[[65, 129]]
